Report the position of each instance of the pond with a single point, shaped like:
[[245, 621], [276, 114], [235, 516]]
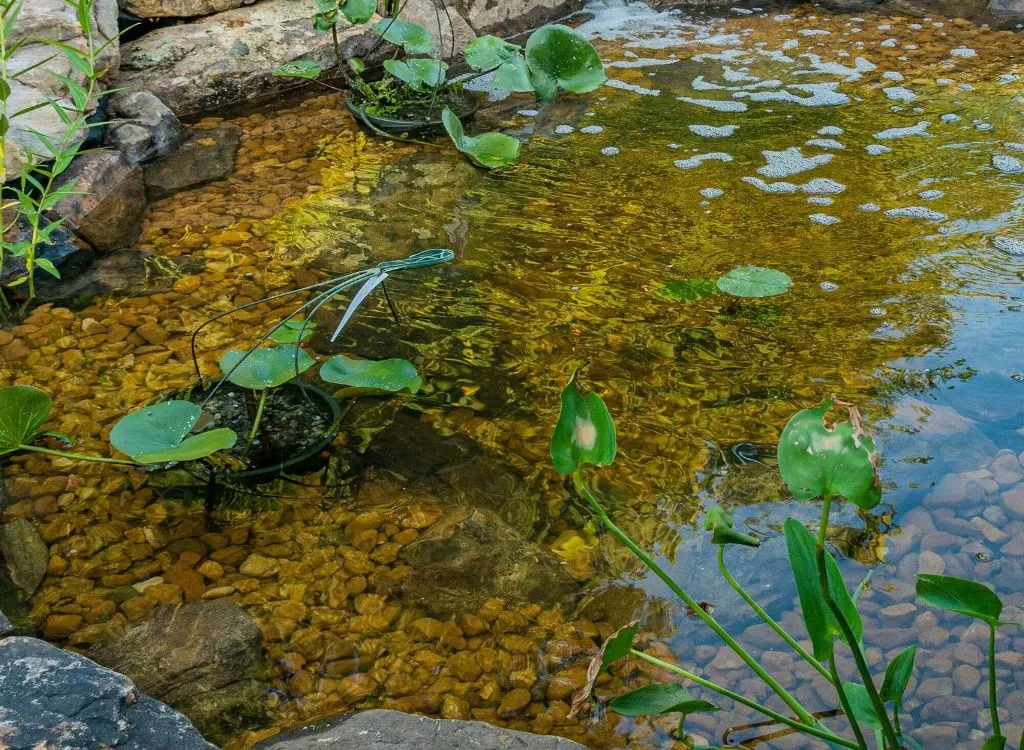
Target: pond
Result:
[[874, 159]]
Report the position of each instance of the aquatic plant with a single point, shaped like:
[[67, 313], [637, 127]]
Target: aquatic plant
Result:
[[25, 205], [817, 459]]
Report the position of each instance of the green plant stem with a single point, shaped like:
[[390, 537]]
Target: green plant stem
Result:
[[812, 729], [767, 618], [992, 705], [76, 456], [692, 603], [844, 701], [256, 421], [849, 636]]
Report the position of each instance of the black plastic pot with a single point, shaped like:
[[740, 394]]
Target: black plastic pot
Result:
[[462, 103]]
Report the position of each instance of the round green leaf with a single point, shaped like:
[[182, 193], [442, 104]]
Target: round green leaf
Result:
[[663, 698], [488, 150], [754, 281], [412, 37], [585, 433], [293, 331], [359, 11], [960, 595], [380, 376], [720, 524], [817, 459], [264, 368], [158, 434], [23, 410], [419, 73], [560, 57], [687, 290], [506, 60], [298, 69]]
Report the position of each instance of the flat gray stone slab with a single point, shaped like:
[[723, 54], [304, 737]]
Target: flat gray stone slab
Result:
[[393, 730]]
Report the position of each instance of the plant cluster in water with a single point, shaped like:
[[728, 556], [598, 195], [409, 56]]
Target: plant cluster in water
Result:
[[555, 58], [817, 460]]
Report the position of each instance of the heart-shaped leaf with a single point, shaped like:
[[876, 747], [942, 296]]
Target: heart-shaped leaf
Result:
[[720, 524], [359, 11], [23, 410], [506, 60], [821, 624], [662, 698], [420, 73], [560, 57], [264, 368], [818, 460], [298, 69], [960, 595], [585, 433], [754, 281], [293, 331], [687, 290], [159, 433], [372, 376], [488, 150], [412, 37], [897, 675]]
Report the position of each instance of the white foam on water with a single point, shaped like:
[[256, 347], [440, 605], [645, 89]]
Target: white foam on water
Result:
[[615, 83], [610, 151], [737, 76], [869, 207], [824, 219], [1007, 78], [877, 149], [818, 65], [820, 200], [828, 286], [528, 112], [823, 186], [899, 94], [791, 44], [726, 105], [826, 143], [892, 75], [564, 129], [950, 117], [695, 161], [915, 212], [1014, 146], [831, 130], [963, 52], [1007, 164], [821, 95], [884, 27], [790, 162], [916, 26], [920, 129], [710, 193], [944, 81], [814, 32], [592, 129], [1009, 245], [888, 43], [771, 187], [675, 145], [639, 62], [930, 195], [742, 11], [711, 131]]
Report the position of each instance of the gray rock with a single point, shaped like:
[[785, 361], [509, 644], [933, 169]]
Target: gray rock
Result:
[[6, 628], [179, 8], [52, 698], [512, 16], [391, 730], [230, 56], [108, 201], [204, 659], [472, 555], [1013, 9], [123, 273], [25, 554], [206, 156], [146, 129]]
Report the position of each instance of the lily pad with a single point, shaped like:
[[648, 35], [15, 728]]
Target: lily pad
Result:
[[560, 57], [23, 410], [293, 331], [687, 290], [505, 59], [420, 73], [358, 11], [754, 281], [412, 37], [306, 69], [371, 376], [159, 433], [488, 150], [264, 368], [585, 433]]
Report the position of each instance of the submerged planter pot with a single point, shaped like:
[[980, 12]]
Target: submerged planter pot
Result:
[[299, 422], [462, 103]]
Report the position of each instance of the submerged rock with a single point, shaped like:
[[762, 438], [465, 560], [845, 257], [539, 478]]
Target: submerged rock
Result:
[[25, 554], [207, 156], [205, 659], [53, 698], [471, 555], [393, 730]]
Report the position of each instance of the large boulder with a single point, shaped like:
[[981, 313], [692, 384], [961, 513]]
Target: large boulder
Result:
[[51, 698], [144, 128], [206, 156], [1011, 9], [230, 57], [53, 20], [204, 659], [179, 8], [512, 16], [471, 555], [392, 730], [106, 206]]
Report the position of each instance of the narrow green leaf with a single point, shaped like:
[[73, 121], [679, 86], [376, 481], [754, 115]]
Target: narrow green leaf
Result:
[[897, 675], [960, 595], [618, 645], [997, 742], [585, 433], [46, 265], [861, 705], [720, 524], [660, 698]]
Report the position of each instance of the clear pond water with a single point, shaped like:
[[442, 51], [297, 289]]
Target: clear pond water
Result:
[[876, 160]]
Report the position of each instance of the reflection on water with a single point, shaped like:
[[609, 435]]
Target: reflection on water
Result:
[[870, 158]]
